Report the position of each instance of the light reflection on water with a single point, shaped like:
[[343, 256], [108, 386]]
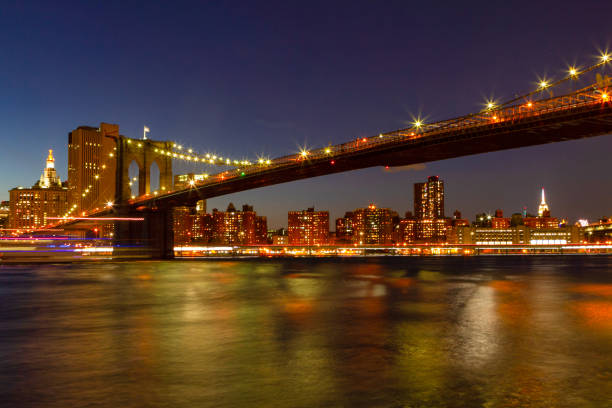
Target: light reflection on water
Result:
[[451, 332]]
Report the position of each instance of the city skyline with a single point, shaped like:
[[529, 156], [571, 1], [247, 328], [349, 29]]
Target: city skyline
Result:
[[265, 87]]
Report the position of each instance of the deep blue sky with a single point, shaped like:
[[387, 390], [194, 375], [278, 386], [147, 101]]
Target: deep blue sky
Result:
[[247, 78]]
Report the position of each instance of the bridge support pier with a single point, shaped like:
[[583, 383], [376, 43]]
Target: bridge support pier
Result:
[[151, 238]]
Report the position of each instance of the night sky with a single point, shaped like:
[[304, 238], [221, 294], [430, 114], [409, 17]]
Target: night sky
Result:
[[245, 79]]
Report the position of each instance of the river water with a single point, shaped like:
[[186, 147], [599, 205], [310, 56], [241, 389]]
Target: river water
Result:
[[375, 332]]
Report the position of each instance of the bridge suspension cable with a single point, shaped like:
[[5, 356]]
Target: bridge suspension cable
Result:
[[189, 155]]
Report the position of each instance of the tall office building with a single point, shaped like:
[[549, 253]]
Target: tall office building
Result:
[[31, 207], [91, 166], [429, 198], [308, 227], [543, 220], [543, 210]]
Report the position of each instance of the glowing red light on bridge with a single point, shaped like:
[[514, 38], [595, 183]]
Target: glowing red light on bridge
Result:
[[332, 162]]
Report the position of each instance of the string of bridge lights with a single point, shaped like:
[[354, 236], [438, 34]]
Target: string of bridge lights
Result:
[[543, 84], [177, 152], [85, 193]]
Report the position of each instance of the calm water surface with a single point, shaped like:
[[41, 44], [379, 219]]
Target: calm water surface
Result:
[[385, 332]]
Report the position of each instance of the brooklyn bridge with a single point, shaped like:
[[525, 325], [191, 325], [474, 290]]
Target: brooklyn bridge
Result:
[[534, 118]]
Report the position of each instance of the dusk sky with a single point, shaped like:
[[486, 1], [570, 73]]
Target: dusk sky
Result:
[[263, 78]]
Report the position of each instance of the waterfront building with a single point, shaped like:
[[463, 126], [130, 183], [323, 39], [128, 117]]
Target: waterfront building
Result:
[[458, 221], [406, 231], [234, 227], [597, 232], [4, 216], [429, 199], [261, 230], [519, 235], [541, 222], [432, 229], [554, 236], [431, 225], [499, 221], [490, 236], [183, 220], [48, 197], [202, 228], [373, 225], [308, 227], [280, 240], [91, 166], [344, 229]]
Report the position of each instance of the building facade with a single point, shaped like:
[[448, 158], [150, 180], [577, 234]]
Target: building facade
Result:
[[431, 224], [429, 198], [373, 226], [233, 227], [344, 229], [91, 166], [183, 225], [308, 227], [520, 235]]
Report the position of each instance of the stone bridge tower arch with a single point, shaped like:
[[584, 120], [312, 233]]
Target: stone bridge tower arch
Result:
[[144, 153]]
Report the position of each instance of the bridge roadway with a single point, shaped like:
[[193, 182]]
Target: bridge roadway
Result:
[[557, 119]]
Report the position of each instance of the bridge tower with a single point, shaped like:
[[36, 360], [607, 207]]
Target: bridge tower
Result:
[[144, 153], [154, 236]]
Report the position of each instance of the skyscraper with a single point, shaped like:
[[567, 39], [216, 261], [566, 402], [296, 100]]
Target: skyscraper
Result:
[[429, 198], [420, 200], [543, 208], [429, 209], [91, 166]]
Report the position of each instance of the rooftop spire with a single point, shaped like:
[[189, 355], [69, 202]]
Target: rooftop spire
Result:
[[50, 160], [49, 177], [543, 208]]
